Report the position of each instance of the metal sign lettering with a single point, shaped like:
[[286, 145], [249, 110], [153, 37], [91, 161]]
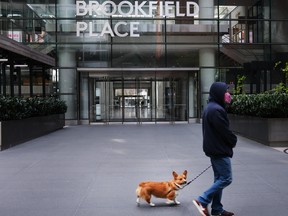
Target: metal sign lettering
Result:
[[137, 9]]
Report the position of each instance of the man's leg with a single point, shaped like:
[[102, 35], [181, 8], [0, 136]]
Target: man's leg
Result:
[[223, 178]]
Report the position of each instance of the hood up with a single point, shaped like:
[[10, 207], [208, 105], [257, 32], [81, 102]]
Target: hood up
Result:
[[217, 91]]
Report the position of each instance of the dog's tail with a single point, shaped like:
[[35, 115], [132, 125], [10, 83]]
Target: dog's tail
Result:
[[138, 191], [138, 194]]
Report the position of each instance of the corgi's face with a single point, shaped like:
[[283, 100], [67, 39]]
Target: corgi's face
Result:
[[180, 179]]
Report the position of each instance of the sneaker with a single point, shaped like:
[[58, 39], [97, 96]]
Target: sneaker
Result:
[[203, 211], [224, 213]]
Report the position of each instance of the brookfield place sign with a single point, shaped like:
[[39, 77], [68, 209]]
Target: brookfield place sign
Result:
[[127, 9]]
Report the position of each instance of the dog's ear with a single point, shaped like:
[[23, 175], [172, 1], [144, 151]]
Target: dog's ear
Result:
[[175, 175], [185, 173]]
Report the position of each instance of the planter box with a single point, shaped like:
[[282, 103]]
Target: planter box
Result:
[[15, 132], [268, 131]]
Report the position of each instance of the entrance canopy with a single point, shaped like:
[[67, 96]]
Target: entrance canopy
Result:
[[134, 72], [135, 69]]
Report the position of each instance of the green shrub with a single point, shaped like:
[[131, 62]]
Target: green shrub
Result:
[[273, 105], [13, 108]]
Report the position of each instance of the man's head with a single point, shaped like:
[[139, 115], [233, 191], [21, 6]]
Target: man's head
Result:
[[218, 93]]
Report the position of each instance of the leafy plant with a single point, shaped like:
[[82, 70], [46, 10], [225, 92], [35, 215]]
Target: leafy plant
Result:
[[239, 84], [270, 104], [267, 105], [282, 86], [13, 108]]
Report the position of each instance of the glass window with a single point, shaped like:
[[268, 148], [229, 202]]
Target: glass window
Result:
[[137, 55], [182, 55]]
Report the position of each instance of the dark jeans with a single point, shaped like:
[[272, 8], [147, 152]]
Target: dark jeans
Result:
[[222, 178]]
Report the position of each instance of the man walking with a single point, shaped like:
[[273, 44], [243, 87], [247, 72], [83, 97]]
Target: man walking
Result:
[[218, 144]]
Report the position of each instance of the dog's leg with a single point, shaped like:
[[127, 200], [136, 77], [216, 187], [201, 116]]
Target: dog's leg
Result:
[[170, 202], [175, 199], [171, 198], [151, 204], [177, 202], [148, 200], [145, 195]]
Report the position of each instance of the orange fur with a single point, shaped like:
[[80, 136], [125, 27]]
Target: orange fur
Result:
[[164, 190]]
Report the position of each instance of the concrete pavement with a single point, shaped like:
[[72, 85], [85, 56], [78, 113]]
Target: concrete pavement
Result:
[[93, 170]]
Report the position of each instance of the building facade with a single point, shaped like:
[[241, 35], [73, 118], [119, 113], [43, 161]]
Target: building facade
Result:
[[139, 61]]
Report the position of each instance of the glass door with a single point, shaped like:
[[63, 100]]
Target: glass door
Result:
[[139, 98], [119, 100], [171, 100], [102, 101]]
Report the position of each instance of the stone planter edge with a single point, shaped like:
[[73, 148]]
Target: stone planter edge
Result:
[[268, 131], [15, 132]]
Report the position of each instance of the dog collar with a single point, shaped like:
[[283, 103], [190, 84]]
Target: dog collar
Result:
[[178, 186]]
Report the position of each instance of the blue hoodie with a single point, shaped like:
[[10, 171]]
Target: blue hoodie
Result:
[[218, 139]]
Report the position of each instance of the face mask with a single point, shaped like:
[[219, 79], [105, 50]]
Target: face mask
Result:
[[227, 98]]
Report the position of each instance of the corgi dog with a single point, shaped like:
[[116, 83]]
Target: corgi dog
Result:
[[166, 190]]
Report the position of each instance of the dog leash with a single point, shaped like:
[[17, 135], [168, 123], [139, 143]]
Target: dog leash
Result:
[[197, 176]]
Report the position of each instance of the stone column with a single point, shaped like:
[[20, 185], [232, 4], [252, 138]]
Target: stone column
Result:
[[206, 55], [67, 81], [67, 61]]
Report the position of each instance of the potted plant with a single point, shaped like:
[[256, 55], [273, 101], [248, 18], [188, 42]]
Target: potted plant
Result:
[[262, 117], [22, 119]]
